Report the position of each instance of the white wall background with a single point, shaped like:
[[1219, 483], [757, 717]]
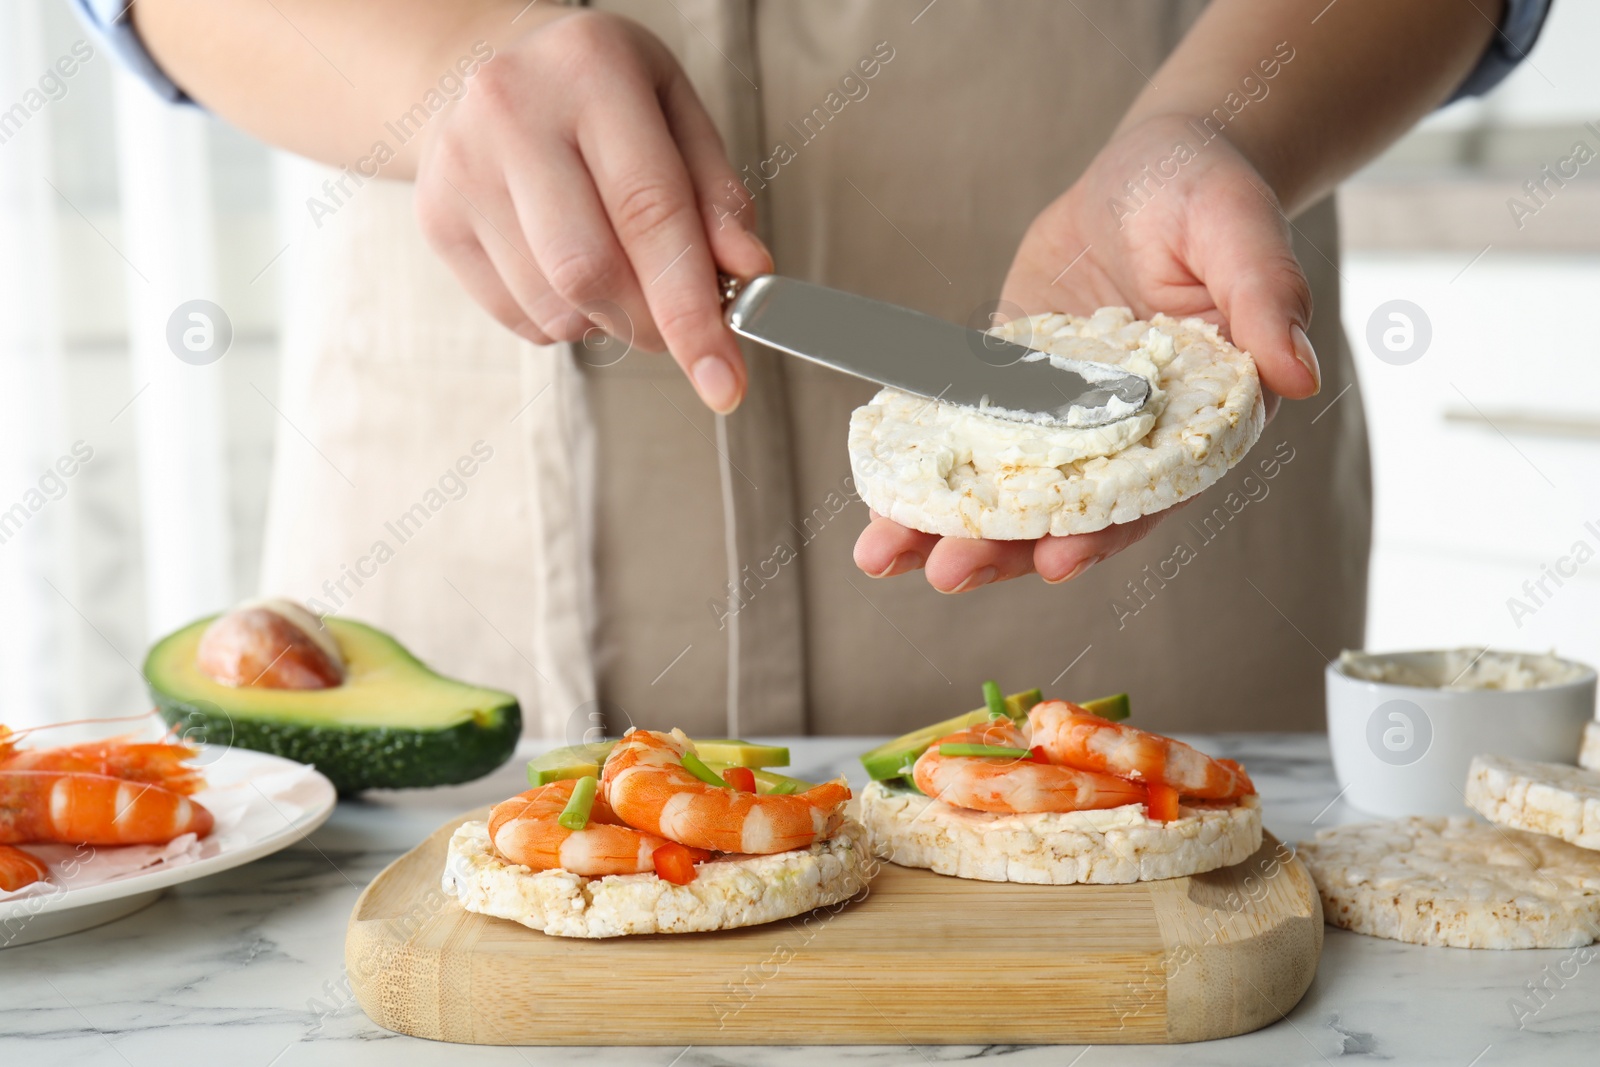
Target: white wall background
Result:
[[113, 209], [1559, 84], [1486, 451]]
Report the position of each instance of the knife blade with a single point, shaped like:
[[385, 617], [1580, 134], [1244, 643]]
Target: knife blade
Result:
[[920, 354]]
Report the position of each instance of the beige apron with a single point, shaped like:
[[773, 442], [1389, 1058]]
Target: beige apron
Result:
[[625, 555]]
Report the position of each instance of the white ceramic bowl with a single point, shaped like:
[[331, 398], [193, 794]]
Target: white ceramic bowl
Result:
[[1405, 749]]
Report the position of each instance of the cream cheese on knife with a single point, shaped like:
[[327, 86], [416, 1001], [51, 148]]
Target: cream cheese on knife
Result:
[[994, 438]]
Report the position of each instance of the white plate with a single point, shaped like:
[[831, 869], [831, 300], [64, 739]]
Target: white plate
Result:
[[263, 804]]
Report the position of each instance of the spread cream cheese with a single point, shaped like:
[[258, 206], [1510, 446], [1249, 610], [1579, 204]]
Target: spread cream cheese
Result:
[[971, 472], [936, 437], [1095, 361]]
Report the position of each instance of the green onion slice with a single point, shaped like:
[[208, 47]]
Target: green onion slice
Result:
[[984, 750], [696, 766], [996, 700], [575, 816]]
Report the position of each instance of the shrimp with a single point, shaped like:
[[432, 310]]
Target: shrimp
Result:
[[524, 830], [1014, 784], [19, 868], [1077, 738], [157, 763], [647, 785], [72, 807]]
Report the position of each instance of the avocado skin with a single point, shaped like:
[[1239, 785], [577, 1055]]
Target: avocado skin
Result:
[[352, 757], [359, 758]]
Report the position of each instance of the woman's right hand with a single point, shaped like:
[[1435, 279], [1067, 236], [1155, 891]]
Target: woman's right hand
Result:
[[580, 169]]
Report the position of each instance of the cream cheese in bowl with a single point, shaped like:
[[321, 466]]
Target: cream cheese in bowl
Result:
[[1463, 669], [1404, 727]]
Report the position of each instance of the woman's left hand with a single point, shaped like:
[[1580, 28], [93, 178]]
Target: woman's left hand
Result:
[[1209, 241]]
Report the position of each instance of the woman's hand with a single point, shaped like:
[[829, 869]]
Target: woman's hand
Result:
[[1209, 241], [579, 171]]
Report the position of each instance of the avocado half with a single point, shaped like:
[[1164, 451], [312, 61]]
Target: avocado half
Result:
[[393, 724]]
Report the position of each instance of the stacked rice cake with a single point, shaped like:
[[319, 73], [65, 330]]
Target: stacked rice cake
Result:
[[1542, 798], [1590, 755], [1530, 880], [1456, 882]]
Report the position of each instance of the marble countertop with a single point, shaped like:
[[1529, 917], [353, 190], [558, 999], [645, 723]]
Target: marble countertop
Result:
[[245, 968]]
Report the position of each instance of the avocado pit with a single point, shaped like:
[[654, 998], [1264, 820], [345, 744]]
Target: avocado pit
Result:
[[270, 645]]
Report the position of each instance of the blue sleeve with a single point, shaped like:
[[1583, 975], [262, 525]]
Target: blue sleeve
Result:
[[1518, 30], [108, 23]]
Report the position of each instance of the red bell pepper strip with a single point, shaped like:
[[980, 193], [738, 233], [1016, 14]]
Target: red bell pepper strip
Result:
[[674, 864], [1161, 802], [741, 778]]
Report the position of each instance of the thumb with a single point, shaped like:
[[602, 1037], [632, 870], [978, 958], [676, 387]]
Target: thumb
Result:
[[1244, 257]]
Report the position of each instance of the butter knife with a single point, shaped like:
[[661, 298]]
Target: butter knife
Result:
[[923, 355]]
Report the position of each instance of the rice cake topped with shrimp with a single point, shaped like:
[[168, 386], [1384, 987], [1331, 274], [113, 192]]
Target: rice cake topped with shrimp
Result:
[[657, 845], [962, 472], [1066, 797], [1108, 846], [728, 892]]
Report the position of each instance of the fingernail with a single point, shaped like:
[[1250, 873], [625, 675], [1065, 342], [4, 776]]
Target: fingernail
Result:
[[1306, 355], [714, 381], [1083, 565], [977, 578], [905, 561]]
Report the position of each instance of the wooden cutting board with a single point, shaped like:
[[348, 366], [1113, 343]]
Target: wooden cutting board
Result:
[[919, 959]]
